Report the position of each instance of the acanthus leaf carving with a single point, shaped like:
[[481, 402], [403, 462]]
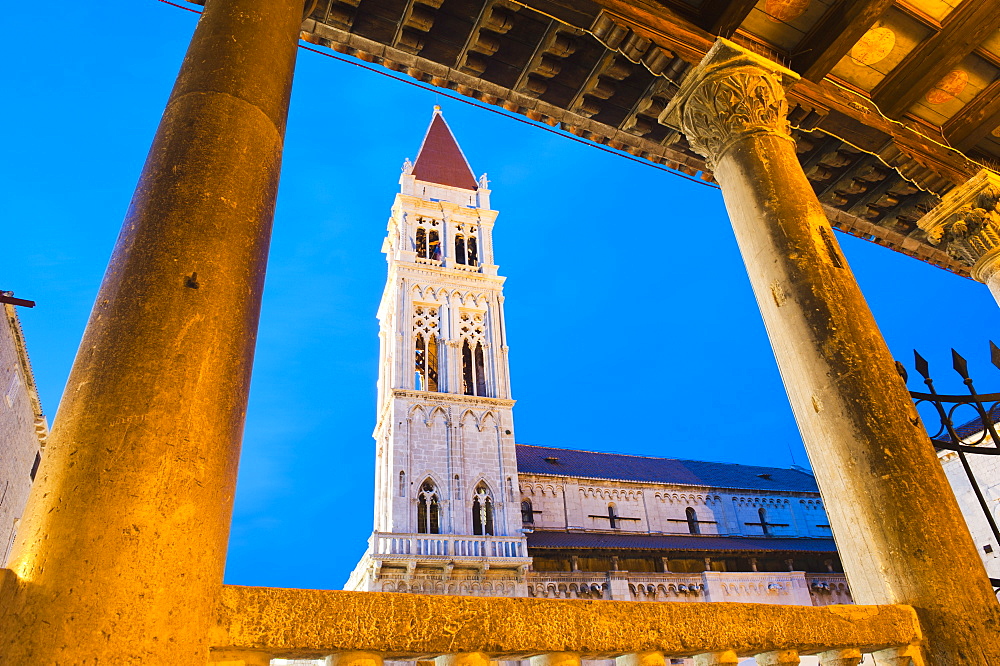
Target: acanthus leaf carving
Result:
[[732, 105]]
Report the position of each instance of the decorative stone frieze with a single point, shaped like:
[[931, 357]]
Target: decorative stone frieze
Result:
[[967, 224], [731, 94]]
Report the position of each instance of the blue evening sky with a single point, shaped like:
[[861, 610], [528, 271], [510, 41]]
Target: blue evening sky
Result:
[[631, 322]]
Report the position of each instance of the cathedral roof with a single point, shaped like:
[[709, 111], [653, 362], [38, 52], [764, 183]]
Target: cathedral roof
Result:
[[620, 467], [627, 541], [440, 160]]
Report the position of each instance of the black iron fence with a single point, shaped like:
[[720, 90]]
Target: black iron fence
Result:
[[965, 424]]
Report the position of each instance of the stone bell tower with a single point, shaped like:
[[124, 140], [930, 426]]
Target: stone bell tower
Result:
[[447, 505]]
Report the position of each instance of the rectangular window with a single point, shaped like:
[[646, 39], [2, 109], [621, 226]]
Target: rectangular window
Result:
[[34, 466]]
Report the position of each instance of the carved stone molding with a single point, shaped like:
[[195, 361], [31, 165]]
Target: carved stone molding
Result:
[[967, 224], [733, 93]]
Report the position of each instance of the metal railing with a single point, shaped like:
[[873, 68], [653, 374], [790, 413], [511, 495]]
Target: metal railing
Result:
[[963, 436]]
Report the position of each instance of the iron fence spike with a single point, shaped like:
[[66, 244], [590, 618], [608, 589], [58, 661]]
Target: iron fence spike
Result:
[[960, 364], [901, 369], [920, 363]]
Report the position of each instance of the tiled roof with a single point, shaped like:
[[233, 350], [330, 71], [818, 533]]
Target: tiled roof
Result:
[[440, 160], [620, 467], [632, 541]]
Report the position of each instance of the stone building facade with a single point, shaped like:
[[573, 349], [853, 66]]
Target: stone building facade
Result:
[[23, 427], [461, 509]]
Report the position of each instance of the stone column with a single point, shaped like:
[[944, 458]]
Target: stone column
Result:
[[121, 554], [967, 224], [899, 530]]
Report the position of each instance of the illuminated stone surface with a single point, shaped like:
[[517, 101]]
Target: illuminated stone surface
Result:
[[901, 536]]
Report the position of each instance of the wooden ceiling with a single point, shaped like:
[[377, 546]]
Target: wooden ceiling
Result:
[[899, 101]]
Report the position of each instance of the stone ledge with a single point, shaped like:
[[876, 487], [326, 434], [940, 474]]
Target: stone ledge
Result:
[[313, 623]]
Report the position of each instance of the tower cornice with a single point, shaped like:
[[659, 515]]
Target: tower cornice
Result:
[[435, 397]]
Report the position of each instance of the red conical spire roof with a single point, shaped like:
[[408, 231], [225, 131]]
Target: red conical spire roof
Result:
[[440, 160]]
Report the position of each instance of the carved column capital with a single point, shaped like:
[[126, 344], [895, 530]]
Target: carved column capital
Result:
[[967, 224], [733, 93]]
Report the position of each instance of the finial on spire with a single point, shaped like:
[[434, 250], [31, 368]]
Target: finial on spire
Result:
[[437, 109]]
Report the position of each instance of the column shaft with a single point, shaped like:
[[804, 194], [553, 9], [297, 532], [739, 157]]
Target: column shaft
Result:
[[121, 554], [899, 530]]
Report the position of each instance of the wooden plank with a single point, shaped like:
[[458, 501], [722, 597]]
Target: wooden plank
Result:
[[16, 301], [723, 17], [836, 33], [976, 120], [964, 30]]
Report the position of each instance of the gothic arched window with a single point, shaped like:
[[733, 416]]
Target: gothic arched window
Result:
[[612, 516], [764, 527], [468, 374], [421, 238], [460, 249], [692, 518], [425, 363], [527, 513], [433, 245], [480, 370], [473, 251], [402, 484], [482, 511], [428, 509], [419, 363]]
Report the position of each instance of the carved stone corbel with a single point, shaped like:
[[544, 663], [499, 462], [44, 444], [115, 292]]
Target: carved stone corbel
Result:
[[967, 224]]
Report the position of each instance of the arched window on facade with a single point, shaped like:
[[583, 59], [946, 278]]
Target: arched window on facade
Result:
[[468, 373], [421, 238], [612, 516], [482, 511], [473, 369], [434, 245], [428, 509], [764, 527], [402, 484], [460, 249], [458, 488], [510, 489], [425, 362], [480, 370], [473, 251], [527, 513], [692, 518]]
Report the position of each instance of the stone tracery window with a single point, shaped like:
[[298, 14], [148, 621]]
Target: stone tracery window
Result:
[[428, 509], [425, 348], [472, 327], [482, 511]]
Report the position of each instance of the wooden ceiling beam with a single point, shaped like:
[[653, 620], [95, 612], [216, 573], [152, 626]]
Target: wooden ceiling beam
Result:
[[723, 17], [976, 120], [963, 31], [837, 32]]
